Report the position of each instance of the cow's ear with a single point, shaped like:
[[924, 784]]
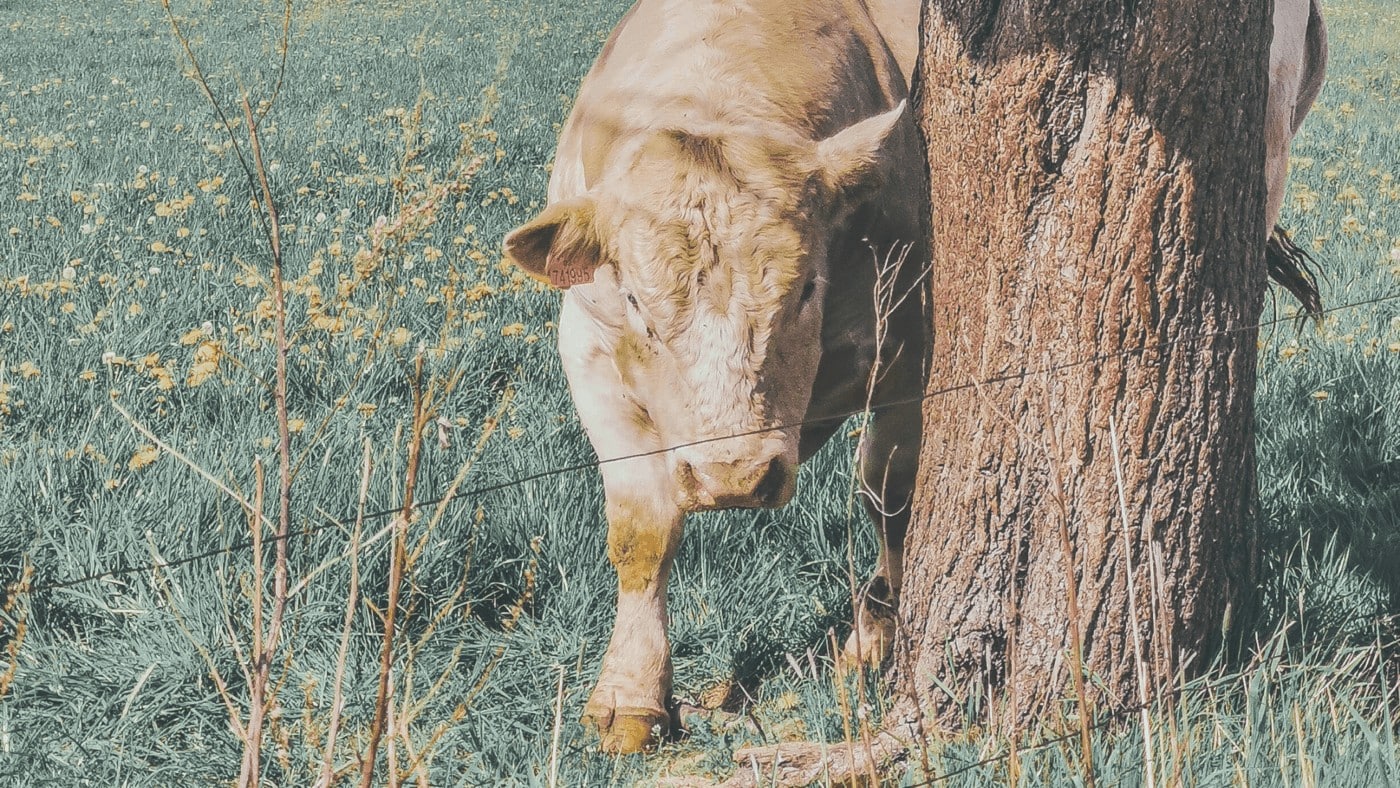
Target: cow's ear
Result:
[[847, 158], [561, 245]]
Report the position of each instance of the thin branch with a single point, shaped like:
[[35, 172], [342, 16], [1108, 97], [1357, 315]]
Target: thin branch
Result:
[[327, 775], [421, 418], [1149, 766]]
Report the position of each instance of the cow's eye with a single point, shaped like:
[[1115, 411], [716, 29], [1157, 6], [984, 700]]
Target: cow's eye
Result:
[[808, 290]]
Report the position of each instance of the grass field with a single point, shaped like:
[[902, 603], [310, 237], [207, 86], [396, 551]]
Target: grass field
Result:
[[135, 324]]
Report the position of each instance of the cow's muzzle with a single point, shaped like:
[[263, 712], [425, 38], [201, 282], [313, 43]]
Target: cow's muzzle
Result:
[[766, 482]]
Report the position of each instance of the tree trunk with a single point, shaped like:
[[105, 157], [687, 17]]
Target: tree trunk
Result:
[[1096, 170]]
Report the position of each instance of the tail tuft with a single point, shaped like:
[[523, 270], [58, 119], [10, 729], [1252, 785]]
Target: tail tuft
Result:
[[1292, 268]]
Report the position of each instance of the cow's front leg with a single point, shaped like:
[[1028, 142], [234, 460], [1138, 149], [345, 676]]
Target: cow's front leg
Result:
[[629, 705], [644, 527], [889, 458]]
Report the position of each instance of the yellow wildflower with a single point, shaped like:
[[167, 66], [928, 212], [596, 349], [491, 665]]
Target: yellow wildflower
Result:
[[143, 457], [206, 363]]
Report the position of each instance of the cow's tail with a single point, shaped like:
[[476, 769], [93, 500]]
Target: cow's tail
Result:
[[1292, 267]]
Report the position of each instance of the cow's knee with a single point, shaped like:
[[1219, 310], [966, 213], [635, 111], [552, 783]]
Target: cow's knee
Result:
[[642, 540]]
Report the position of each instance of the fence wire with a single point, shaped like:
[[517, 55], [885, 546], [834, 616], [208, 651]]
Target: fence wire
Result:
[[1108, 718], [131, 569]]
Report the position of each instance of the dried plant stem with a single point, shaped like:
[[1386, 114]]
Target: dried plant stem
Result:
[[16, 612], [187, 462], [352, 600], [235, 717], [391, 722], [558, 727], [1076, 629], [266, 640], [284, 435], [422, 416], [251, 766], [1149, 767]]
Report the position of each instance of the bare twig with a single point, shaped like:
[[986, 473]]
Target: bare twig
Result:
[[15, 611], [327, 774], [203, 82], [558, 727], [250, 768], [192, 465], [1076, 629], [235, 717], [422, 416], [1149, 766], [284, 45], [266, 639]]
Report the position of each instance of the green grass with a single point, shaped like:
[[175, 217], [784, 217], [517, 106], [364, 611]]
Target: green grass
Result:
[[99, 258]]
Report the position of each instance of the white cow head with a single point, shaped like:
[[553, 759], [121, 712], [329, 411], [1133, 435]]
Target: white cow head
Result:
[[706, 253]]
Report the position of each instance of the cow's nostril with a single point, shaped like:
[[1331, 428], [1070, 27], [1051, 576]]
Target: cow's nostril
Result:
[[770, 487]]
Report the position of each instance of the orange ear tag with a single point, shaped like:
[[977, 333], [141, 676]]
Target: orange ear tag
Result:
[[563, 275]]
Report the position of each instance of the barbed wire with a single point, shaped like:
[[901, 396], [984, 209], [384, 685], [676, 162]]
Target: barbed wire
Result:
[[449, 499]]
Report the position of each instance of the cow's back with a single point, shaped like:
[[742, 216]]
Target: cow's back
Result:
[[898, 22], [813, 67]]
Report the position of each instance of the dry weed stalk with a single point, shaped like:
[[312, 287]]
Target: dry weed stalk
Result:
[[396, 707], [15, 612], [266, 639], [558, 728], [255, 666], [1076, 628], [265, 646], [423, 413], [1143, 672], [327, 773], [419, 198], [1057, 495]]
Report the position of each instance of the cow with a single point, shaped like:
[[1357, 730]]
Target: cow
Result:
[[727, 195], [722, 191]]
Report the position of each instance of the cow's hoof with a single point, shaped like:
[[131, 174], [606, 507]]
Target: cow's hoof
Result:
[[626, 730], [872, 636], [867, 647]]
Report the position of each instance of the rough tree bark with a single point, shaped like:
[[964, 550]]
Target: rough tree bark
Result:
[[1096, 168]]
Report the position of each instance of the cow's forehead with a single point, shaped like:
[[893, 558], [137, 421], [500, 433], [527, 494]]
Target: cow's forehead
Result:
[[733, 206], [707, 227]]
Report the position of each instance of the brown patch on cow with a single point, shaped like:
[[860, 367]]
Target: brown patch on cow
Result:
[[640, 544], [705, 151], [629, 355]]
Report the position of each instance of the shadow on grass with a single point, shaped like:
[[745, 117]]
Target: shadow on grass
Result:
[[1330, 506]]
